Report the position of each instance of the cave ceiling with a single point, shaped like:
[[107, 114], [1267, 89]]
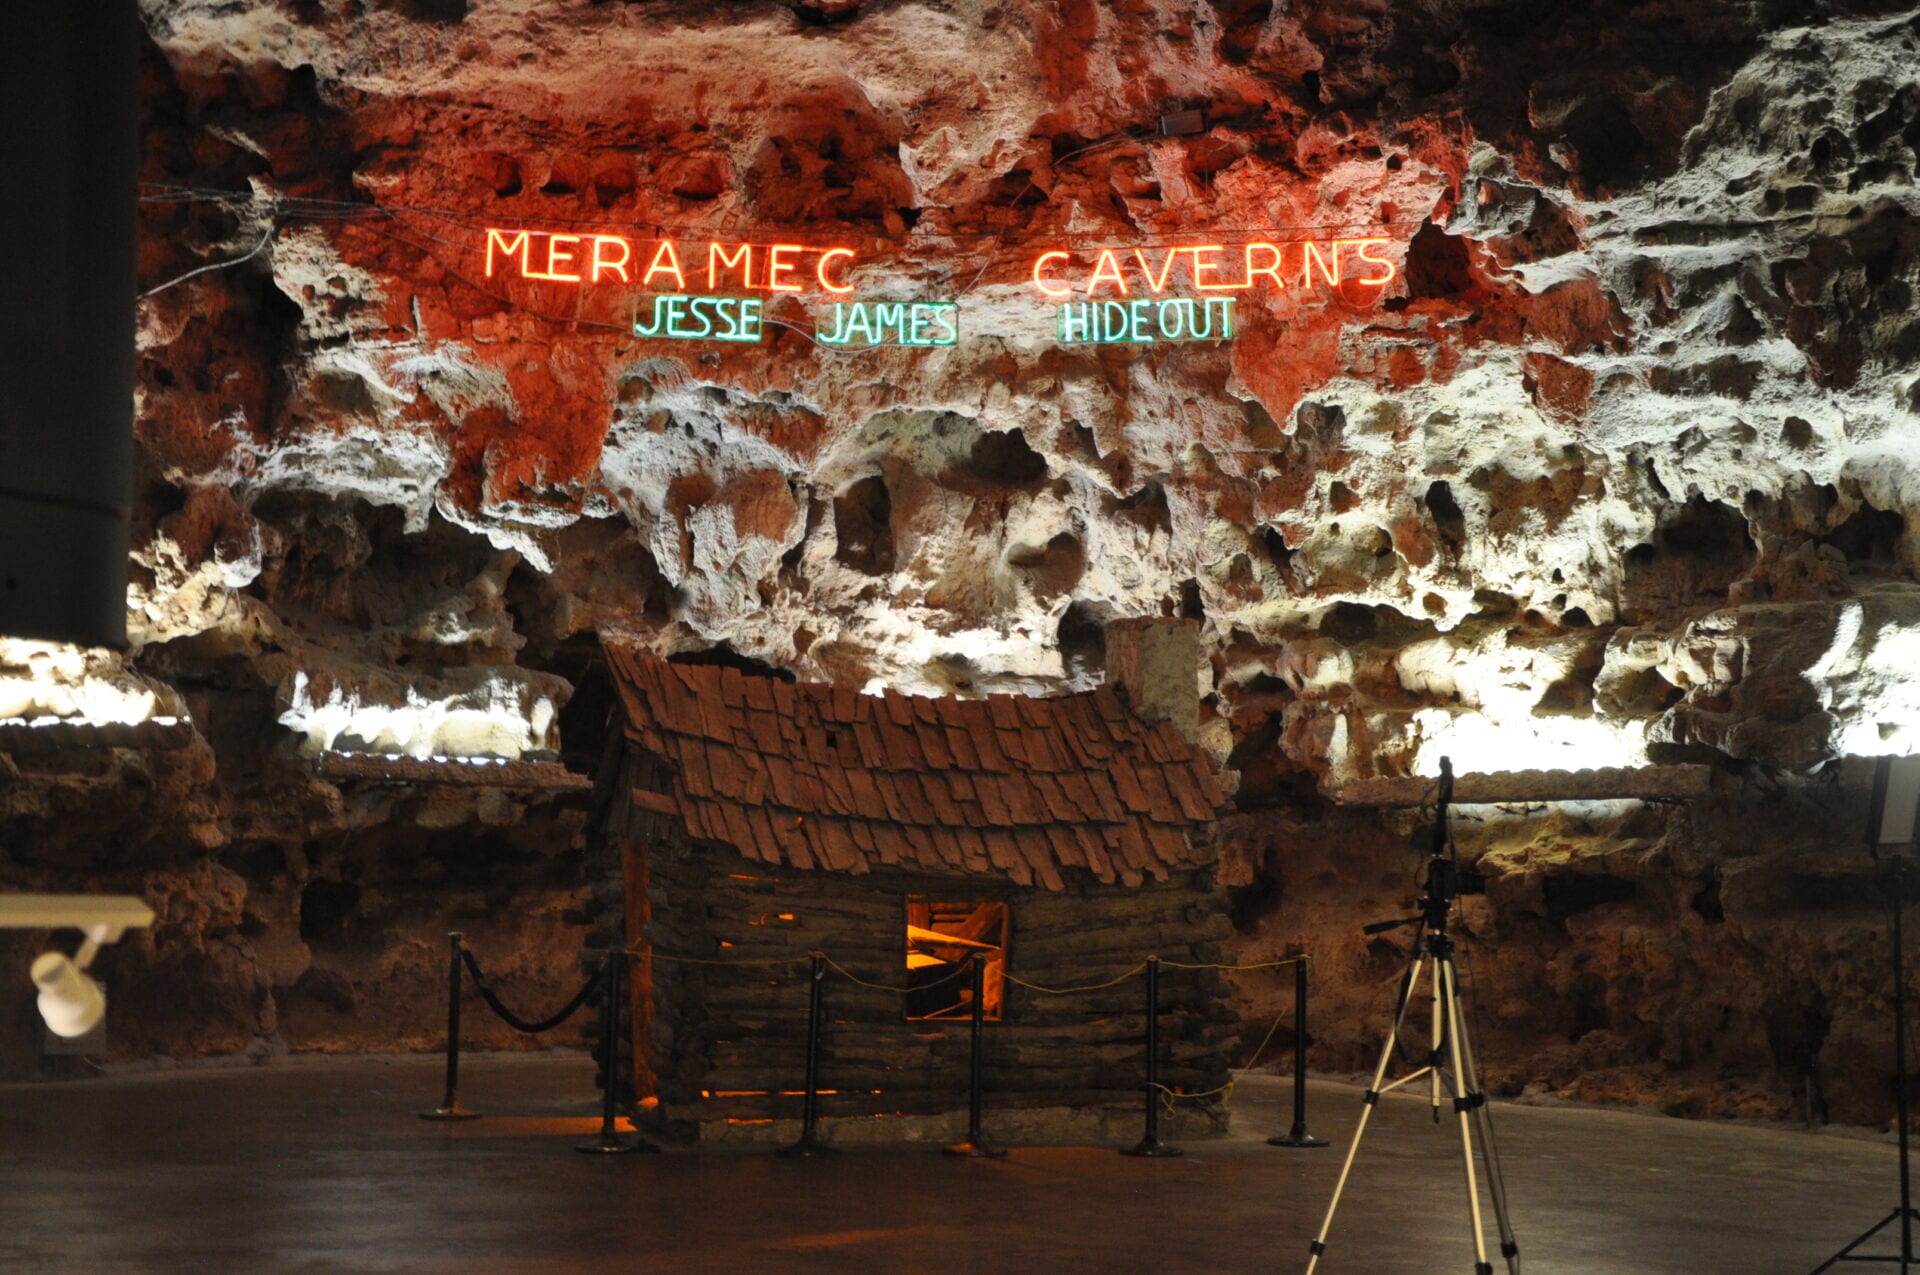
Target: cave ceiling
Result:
[[1618, 461]]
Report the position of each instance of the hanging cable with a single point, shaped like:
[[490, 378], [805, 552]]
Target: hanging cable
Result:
[[213, 265]]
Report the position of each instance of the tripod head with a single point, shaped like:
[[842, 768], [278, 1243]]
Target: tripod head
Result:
[[1446, 879]]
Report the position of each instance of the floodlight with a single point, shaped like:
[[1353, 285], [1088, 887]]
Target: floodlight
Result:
[[1893, 812], [71, 1003]]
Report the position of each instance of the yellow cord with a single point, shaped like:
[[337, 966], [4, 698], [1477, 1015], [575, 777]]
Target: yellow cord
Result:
[[851, 977], [1066, 991], [1169, 1097], [650, 954], [697, 960], [1264, 965]]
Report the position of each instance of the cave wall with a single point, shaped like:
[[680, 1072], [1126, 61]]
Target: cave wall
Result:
[[1617, 467]]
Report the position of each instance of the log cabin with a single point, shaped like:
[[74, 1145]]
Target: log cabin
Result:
[[1065, 839]]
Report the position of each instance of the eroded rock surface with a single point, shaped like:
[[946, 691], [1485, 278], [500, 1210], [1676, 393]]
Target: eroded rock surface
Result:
[[1618, 466]]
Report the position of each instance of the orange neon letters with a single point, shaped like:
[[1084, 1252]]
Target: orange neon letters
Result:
[[559, 255], [777, 265], [1157, 283], [1039, 269], [1106, 269], [617, 265], [1387, 269], [1203, 266], [1271, 269], [821, 271], [665, 261], [741, 260], [565, 257], [517, 244], [1310, 255]]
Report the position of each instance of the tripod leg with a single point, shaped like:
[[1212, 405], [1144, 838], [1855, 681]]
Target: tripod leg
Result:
[[1483, 1117], [1438, 1035], [1463, 1107], [1372, 1099]]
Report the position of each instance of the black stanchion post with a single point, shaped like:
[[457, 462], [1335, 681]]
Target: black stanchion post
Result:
[[1150, 1144], [450, 1108], [1298, 1135], [976, 1143], [610, 1142], [810, 1144]]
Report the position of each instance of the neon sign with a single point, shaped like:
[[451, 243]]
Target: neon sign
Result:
[[867, 323], [699, 290], [1213, 267], [552, 256], [1145, 322], [688, 318]]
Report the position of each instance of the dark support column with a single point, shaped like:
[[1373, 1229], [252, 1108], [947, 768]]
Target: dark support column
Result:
[[450, 1108], [1298, 1135], [1150, 1144], [615, 989], [1900, 1073], [810, 1144], [976, 1144]]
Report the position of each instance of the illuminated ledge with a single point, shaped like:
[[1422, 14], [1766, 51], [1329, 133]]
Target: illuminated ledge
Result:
[[459, 772], [24, 736], [1644, 783]]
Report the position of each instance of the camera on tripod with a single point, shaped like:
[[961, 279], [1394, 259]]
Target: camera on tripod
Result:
[[1449, 1070], [1447, 880]]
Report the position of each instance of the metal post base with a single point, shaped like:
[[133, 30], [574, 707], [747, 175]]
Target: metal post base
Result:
[[612, 1144], [455, 1112], [809, 1148], [976, 1151], [1296, 1137], [1848, 1255], [1153, 1148]]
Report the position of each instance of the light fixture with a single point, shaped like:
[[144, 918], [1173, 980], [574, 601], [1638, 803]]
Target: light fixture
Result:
[[72, 1003], [1893, 811]]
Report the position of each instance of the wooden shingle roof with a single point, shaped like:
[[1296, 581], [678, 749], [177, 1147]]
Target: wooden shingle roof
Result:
[[821, 777]]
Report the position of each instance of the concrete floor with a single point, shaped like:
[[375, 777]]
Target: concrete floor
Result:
[[321, 1166]]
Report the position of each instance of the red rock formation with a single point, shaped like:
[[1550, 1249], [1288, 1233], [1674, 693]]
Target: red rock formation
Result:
[[1616, 462]]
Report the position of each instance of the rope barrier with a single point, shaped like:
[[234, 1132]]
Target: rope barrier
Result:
[[851, 977], [1019, 982], [514, 1020], [1161, 1097], [701, 960], [1068, 991], [1225, 1092], [1231, 969]]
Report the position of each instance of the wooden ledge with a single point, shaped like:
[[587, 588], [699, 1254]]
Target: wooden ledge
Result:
[[379, 768], [1520, 787]]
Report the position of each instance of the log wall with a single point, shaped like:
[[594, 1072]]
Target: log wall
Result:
[[728, 1041]]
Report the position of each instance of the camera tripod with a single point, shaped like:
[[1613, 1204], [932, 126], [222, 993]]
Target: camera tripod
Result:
[[1450, 1063], [1904, 832]]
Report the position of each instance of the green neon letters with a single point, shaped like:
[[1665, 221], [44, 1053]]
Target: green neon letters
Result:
[[1146, 322], [688, 318], [866, 323]]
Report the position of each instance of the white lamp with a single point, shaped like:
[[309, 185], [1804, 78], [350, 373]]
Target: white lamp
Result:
[[1893, 813], [71, 1003]]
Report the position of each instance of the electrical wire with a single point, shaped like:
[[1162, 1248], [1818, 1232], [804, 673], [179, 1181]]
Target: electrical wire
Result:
[[213, 265], [310, 208]]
